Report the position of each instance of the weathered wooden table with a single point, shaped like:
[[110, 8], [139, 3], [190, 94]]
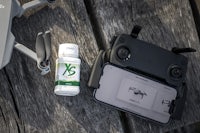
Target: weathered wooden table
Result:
[[27, 99]]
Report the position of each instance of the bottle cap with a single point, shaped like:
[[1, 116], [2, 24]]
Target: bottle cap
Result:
[[68, 50]]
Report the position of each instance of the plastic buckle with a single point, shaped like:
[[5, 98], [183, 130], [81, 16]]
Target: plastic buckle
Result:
[[44, 69]]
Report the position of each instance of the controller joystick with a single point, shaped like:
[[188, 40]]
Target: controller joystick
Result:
[[176, 72], [123, 53]]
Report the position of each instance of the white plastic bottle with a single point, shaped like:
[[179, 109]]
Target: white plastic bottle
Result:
[[67, 76]]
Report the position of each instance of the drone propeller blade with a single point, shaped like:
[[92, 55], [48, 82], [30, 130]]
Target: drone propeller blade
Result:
[[47, 42], [40, 48]]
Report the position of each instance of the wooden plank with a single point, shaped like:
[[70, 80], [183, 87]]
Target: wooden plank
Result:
[[195, 5], [39, 109], [165, 23], [9, 120]]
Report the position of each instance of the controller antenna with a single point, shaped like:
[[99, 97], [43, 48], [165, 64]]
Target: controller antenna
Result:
[[182, 50]]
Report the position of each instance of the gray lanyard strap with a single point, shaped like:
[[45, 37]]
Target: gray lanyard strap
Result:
[[43, 51]]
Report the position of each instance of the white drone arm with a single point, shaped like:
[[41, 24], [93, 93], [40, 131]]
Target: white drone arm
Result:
[[26, 51], [43, 41], [10, 9]]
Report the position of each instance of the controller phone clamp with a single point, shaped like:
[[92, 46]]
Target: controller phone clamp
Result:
[[143, 63]]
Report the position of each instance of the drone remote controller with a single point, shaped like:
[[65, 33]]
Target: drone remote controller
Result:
[[141, 78]]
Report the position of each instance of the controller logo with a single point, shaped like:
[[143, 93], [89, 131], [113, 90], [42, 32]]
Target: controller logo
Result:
[[2, 6], [137, 92], [167, 102]]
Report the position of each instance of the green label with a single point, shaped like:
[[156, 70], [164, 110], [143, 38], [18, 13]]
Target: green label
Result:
[[70, 83], [67, 74]]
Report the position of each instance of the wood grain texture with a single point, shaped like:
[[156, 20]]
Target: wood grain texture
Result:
[[195, 5], [167, 24], [36, 108], [9, 121]]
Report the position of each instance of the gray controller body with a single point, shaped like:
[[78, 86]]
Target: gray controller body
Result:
[[141, 78]]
